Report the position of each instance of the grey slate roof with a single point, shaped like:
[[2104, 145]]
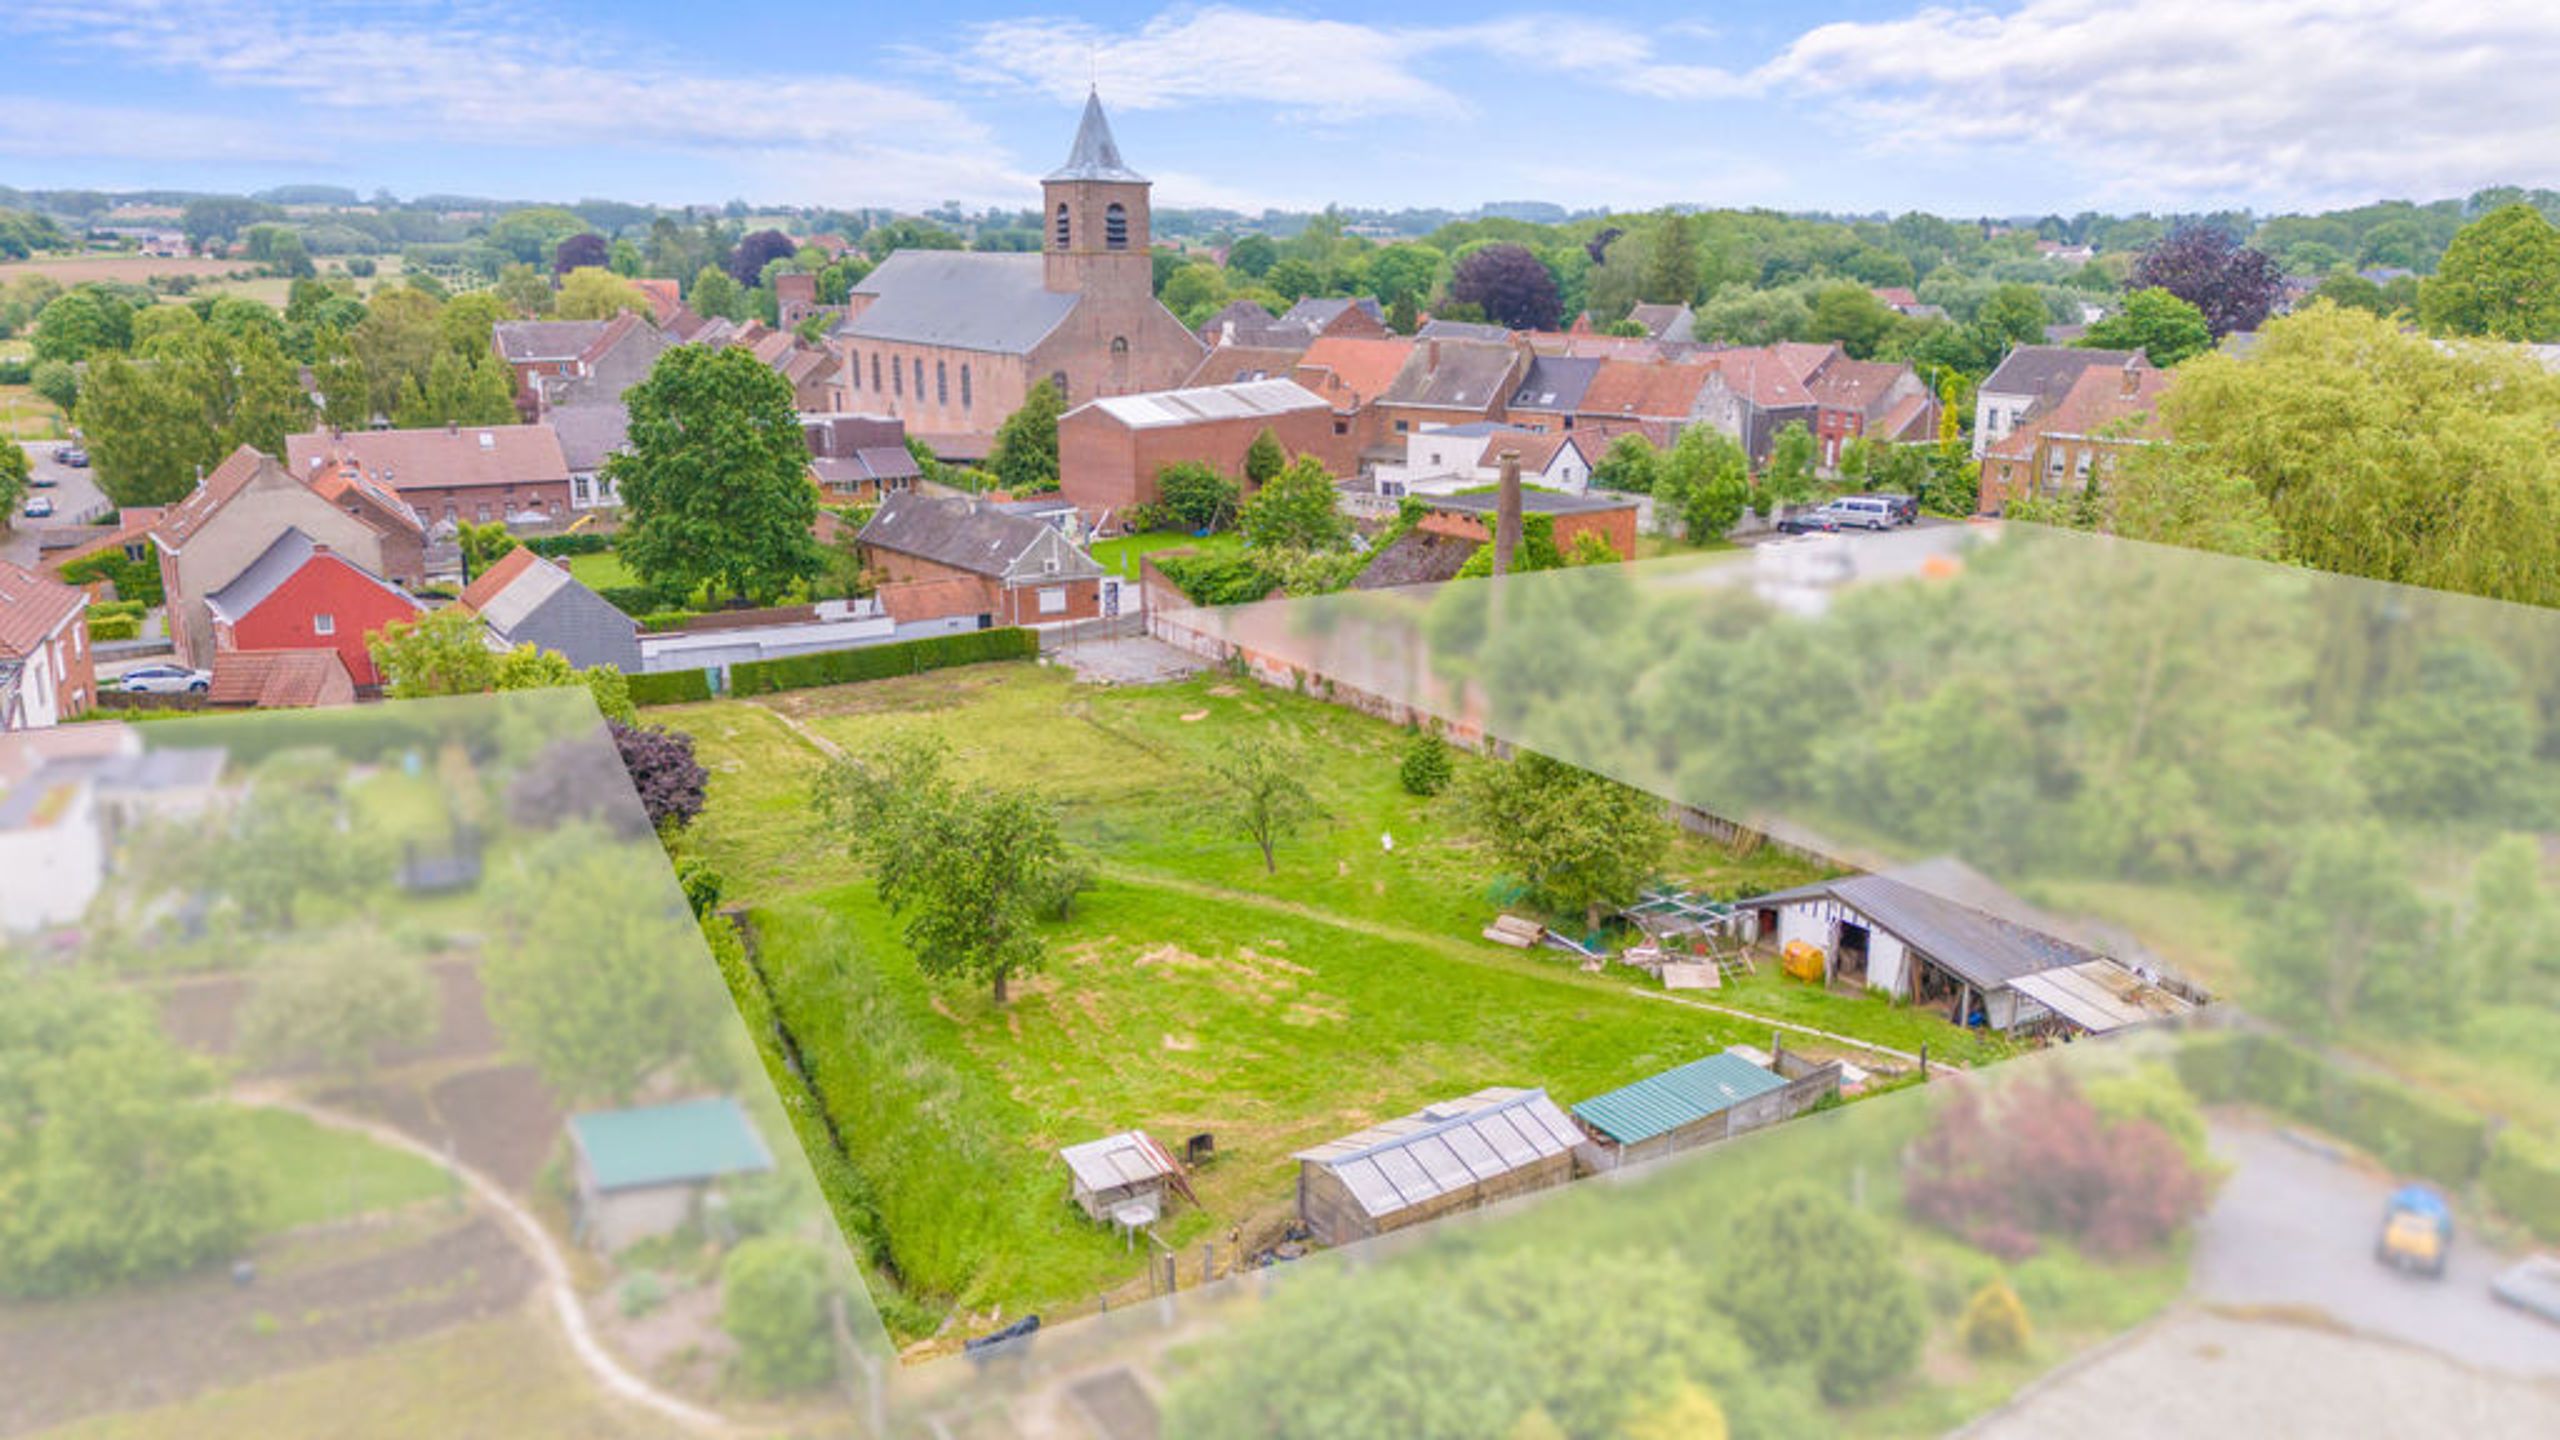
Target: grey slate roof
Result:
[[1095, 155], [2047, 372], [1460, 330], [546, 606], [999, 303], [249, 589], [1555, 382], [1454, 374], [589, 433], [523, 340], [1953, 915], [968, 534], [1318, 311]]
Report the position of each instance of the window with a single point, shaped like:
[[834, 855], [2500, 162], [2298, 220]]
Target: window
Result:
[[964, 384], [856, 356], [875, 371], [578, 489], [1115, 227], [1058, 382], [941, 383], [919, 377], [1059, 235], [324, 624], [484, 512], [1402, 427], [897, 377], [1053, 599], [1341, 427], [1119, 347]]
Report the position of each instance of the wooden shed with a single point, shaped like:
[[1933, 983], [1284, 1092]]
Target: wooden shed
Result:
[[1121, 1179], [1446, 1158], [642, 1172]]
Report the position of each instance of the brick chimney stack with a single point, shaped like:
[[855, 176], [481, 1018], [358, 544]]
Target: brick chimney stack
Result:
[[1506, 513]]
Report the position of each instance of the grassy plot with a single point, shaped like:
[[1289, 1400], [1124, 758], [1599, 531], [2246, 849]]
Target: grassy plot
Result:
[[316, 1174], [600, 570], [1121, 556], [1191, 991]]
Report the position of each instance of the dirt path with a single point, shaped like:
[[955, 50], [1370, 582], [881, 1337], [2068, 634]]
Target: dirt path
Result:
[[1458, 950], [536, 1241], [815, 741]]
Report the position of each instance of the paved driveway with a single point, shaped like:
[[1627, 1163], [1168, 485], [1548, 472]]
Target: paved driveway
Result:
[[75, 495], [2293, 1227]]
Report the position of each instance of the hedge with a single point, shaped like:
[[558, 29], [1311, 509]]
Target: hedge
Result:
[[115, 627], [133, 579], [670, 687], [2523, 1180], [665, 622], [879, 662], [2407, 1129], [552, 547]]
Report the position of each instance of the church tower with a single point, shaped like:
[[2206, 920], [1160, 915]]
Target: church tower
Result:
[[1095, 209]]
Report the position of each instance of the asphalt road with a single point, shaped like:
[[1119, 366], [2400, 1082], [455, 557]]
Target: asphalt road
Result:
[[75, 495], [2292, 1227]]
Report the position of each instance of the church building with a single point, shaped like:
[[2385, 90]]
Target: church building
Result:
[[950, 341]]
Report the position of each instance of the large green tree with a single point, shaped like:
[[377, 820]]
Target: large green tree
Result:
[[1582, 843], [397, 341], [2499, 278], [2163, 327], [1026, 453], [1811, 1281], [145, 431], [1297, 510], [715, 478], [970, 868]]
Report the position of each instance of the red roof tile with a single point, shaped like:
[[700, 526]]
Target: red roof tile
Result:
[[279, 679], [487, 585], [32, 608], [1360, 365]]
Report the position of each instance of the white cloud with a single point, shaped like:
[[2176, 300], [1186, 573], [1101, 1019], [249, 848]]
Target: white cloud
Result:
[[2185, 101], [37, 127], [464, 74], [1328, 70]]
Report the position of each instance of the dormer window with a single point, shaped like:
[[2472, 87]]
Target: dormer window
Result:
[[1115, 227]]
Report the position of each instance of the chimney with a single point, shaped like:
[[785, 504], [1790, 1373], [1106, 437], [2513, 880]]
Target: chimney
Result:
[[1431, 354], [453, 427], [1506, 513], [2132, 378]]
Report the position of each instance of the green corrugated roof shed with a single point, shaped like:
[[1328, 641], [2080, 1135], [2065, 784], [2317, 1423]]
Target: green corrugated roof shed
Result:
[[1662, 1103], [669, 1144]]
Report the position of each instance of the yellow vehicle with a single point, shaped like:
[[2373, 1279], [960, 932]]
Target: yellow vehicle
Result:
[[2417, 1232]]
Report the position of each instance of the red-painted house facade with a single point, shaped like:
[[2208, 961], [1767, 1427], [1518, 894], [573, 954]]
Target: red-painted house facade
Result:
[[301, 596]]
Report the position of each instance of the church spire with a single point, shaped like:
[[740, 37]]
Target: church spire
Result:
[[1096, 156]]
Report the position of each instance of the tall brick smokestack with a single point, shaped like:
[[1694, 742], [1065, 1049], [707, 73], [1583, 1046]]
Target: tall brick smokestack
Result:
[[1506, 514]]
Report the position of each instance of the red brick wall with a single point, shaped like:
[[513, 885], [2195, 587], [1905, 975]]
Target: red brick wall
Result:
[[1104, 464], [1617, 526], [463, 502], [976, 594]]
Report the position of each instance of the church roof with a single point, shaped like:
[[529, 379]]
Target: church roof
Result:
[[1096, 155], [965, 299]]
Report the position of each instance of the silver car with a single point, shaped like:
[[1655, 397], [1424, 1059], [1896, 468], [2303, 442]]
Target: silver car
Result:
[[165, 680], [1867, 512]]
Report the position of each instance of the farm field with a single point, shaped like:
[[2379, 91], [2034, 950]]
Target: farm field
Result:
[[1188, 992], [123, 269]]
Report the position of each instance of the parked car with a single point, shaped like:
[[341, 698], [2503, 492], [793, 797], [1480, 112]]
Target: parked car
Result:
[[44, 479], [2531, 1284], [2417, 1232], [1867, 512], [1818, 521], [1906, 508], [39, 506], [71, 455], [166, 680]]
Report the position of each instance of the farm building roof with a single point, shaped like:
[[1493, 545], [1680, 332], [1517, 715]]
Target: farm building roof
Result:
[[1446, 1147], [668, 1144], [1659, 1104], [1955, 916], [2100, 996]]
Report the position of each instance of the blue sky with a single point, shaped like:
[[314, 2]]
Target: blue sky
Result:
[[1992, 108]]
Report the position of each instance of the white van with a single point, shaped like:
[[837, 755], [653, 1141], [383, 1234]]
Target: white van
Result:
[[1866, 511]]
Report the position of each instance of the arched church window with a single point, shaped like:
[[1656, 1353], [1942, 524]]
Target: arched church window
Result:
[[1115, 227], [1061, 229]]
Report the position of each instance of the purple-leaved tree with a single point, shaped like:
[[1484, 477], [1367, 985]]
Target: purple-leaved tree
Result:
[[1513, 285], [2232, 284]]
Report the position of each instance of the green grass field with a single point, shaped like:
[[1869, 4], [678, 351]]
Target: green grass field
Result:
[[317, 1174], [601, 569], [1191, 991], [1121, 556]]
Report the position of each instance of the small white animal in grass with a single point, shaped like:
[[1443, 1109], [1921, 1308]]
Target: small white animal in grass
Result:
[[1387, 841]]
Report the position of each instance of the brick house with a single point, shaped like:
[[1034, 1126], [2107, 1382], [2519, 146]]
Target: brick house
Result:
[[2030, 378], [538, 351], [1446, 459], [2059, 449], [860, 457], [1450, 382], [1750, 395], [1623, 392], [1471, 517], [237, 512], [514, 473], [952, 341], [945, 556], [1349, 373], [1109, 450], [1872, 399], [1551, 391], [299, 595], [47, 674]]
